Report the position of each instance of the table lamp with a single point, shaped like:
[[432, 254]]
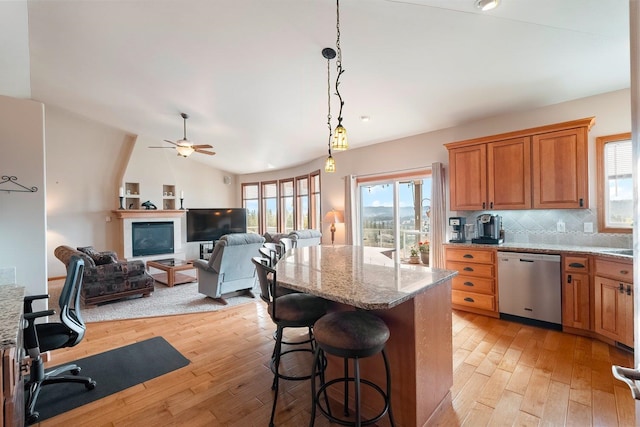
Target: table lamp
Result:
[[334, 217]]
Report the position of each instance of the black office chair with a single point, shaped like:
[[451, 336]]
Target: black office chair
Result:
[[43, 337], [296, 310]]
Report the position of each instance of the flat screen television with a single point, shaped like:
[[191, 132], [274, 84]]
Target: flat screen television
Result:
[[205, 225]]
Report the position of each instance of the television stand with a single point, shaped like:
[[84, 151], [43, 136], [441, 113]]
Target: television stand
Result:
[[205, 250]]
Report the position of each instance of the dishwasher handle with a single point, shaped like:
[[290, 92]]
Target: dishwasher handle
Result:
[[526, 260]]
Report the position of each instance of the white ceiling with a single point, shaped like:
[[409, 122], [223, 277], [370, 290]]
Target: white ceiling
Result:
[[251, 75]]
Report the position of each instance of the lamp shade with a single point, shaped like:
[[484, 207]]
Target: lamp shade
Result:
[[185, 150], [334, 217], [340, 142], [330, 165]]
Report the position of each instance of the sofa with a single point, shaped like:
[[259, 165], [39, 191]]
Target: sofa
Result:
[[229, 268], [107, 278], [302, 238]]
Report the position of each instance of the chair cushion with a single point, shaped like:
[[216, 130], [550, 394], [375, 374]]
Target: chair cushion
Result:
[[351, 333], [300, 308]]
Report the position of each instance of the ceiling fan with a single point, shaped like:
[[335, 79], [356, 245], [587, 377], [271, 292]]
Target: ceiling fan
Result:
[[184, 147]]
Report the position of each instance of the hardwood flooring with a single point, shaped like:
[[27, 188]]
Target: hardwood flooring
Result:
[[504, 374]]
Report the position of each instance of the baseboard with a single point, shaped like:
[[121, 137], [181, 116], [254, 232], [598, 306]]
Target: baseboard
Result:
[[51, 279]]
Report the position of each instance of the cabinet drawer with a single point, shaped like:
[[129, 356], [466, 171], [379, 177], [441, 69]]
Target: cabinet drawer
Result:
[[473, 284], [471, 255], [470, 269], [615, 270], [576, 264], [472, 299]]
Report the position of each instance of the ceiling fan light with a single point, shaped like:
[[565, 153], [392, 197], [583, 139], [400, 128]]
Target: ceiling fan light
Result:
[[485, 5], [340, 142], [330, 165], [185, 150]]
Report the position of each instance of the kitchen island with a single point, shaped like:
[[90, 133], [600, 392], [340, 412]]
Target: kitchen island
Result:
[[413, 300]]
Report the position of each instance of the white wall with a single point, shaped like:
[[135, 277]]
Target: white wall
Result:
[[22, 215], [612, 112]]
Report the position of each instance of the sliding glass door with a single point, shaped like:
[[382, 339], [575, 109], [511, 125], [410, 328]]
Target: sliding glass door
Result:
[[395, 213]]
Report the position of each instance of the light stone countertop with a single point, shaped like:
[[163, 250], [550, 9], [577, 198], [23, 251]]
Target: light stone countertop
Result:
[[544, 248], [359, 276], [11, 304]]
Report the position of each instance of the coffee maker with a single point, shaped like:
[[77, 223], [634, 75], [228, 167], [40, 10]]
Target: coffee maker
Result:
[[457, 229], [488, 229]]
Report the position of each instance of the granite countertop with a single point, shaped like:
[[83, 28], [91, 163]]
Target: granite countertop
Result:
[[544, 248], [359, 276], [11, 304]]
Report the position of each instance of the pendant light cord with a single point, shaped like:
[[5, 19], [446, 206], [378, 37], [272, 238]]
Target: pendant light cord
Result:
[[338, 61], [329, 102]]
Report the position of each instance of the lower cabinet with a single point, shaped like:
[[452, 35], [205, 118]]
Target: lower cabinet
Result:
[[613, 286], [474, 288], [576, 292]]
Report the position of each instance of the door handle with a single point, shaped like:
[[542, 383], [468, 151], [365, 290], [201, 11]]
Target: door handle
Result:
[[628, 376], [621, 288], [569, 279], [628, 289]]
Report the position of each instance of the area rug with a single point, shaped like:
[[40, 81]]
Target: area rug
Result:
[[113, 371], [164, 301]]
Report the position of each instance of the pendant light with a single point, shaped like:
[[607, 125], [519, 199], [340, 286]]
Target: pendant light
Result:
[[329, 54], [340, 142]]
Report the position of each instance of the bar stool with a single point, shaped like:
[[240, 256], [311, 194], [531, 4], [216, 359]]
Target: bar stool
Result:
[[295, 310], [350, 335]]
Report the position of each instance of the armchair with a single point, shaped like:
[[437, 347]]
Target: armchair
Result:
[[107, 278], [229, 269]]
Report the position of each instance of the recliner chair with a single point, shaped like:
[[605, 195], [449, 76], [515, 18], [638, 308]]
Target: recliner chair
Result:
[[229, 269], [54, 335]]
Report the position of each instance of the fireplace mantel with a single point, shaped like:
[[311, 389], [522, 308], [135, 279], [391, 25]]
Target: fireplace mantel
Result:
[[148, 213]]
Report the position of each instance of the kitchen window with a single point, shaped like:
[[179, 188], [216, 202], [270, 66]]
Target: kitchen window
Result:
[[615, 183]]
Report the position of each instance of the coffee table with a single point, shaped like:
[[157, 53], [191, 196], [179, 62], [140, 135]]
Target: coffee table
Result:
[[171, 267]]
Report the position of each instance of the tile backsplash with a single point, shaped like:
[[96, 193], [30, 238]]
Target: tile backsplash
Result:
[[540, 226]]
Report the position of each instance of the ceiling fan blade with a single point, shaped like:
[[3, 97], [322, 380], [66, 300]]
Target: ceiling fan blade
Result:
[[210, 153], [160, 147], [202, 146], [170, 142]]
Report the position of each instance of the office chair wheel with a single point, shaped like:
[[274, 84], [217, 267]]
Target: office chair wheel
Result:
[[91, 385], [33, 418], [75, 371]]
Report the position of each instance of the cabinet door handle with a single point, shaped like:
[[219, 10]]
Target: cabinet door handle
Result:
[[468, 269], [491, 205], [469, 299], [621, 288], [569, 279], [484, 205], [467, 256], [628, 289], [468, 284], [577, 265], [581, 203]]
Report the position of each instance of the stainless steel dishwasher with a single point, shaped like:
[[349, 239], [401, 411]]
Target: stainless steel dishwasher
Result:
[[530, 286]]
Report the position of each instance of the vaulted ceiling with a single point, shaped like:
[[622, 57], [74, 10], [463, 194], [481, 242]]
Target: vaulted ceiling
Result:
[[251, 75]]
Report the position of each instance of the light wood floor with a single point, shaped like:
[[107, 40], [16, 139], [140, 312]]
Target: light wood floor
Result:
[[504, 374]]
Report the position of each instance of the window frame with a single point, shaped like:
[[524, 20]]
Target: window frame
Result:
[[313, 214], [601, 142]]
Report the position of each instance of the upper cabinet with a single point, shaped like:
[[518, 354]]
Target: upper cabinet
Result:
[[540, 168], [560, 175]]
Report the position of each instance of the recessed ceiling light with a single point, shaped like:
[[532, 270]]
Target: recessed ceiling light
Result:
[[365, 118], [485, 5]]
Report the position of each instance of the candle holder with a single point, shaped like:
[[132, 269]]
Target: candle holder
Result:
[[181, 207], [121, 201]]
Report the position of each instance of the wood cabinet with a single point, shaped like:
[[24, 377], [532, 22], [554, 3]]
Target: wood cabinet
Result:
[[613, 285], [576, 292], [560, 176], [474, 288], [540, 168]]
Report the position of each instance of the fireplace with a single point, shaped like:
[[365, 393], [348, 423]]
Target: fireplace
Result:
[[152, 238]]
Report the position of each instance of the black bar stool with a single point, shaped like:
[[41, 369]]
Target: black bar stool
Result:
[[294, 310], [350, 335]]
